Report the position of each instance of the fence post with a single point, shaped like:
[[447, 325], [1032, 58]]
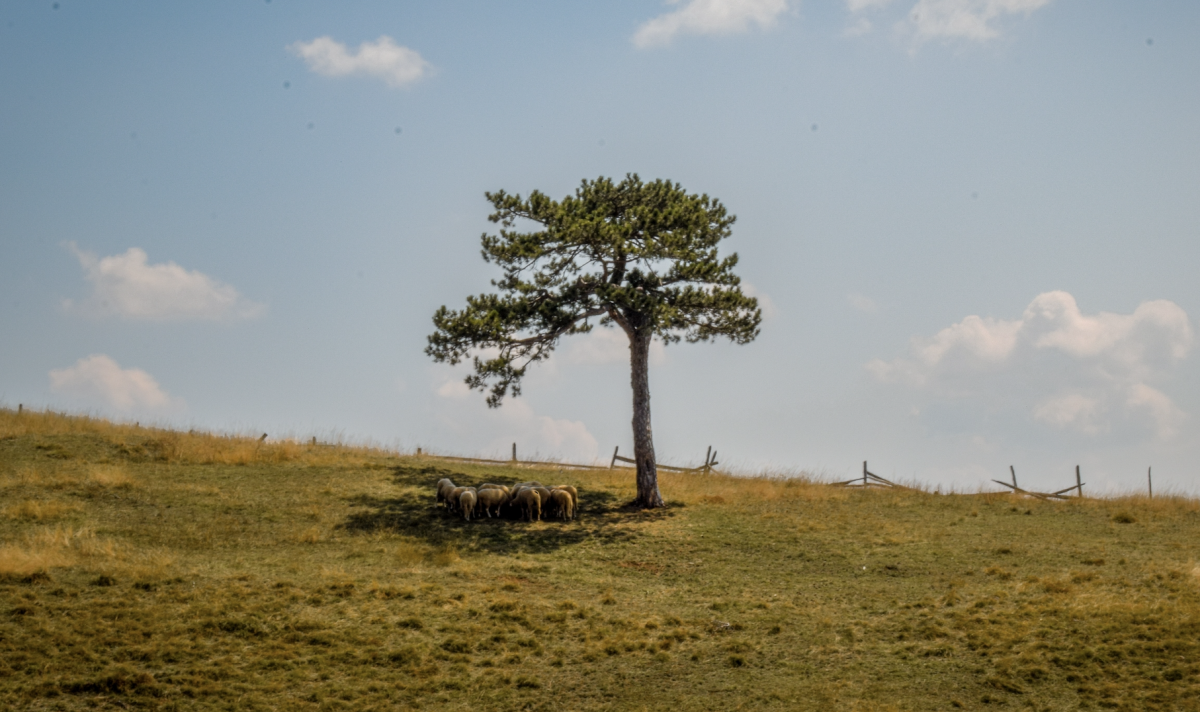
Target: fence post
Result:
[[614, 460], [707, 459], [20, 407], [1078, 482], [1014, 474], [1150, 483], [418, 452], [514, 452], [864, 473]]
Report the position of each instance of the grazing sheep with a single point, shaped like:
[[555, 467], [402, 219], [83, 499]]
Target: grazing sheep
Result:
[[562, 504], [490, 498], [489, 485], [452, 498], [530, 503], [466, 502], [544, 493], [444, 487], [574, 494]]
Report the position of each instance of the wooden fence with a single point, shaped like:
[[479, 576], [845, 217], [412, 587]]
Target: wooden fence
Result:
[[868, 480], [1061, 494], [710, 461]]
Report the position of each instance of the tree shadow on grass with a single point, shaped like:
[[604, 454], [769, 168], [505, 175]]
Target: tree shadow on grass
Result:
[[601, 517]]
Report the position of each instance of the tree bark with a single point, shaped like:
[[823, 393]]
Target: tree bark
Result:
[[643, 439]]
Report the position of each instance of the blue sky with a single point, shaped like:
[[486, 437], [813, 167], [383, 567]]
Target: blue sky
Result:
[[973, 222]]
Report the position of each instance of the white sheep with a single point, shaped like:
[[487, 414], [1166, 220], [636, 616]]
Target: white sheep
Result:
[[491, 498], [444, 487], [466, 502]]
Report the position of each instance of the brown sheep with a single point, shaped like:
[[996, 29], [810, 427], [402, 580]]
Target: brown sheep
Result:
[[490, 498], [466, 502], [530, 503], [561, 503]]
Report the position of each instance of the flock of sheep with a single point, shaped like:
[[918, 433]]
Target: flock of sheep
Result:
[[531, 499]]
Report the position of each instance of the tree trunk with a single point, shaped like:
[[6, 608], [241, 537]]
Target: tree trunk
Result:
[[643, 438]]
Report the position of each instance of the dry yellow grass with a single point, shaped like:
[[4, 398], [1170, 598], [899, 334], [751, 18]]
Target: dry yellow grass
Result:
[[109, 477], [192, 447], [59, 547], [39, 510]]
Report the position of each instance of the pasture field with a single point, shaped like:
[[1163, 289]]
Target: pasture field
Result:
[[150, 569]]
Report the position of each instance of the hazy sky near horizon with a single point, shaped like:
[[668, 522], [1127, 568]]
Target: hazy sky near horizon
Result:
[[973, 224]]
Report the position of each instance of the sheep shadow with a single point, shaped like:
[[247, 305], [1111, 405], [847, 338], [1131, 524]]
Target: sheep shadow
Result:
[[601, 517]]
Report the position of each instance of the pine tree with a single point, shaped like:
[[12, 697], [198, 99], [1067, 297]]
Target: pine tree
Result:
[[639, 256]]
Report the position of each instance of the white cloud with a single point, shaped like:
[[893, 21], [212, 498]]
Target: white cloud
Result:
[[455, 390], [709, 17], [125, 285], [1100, 364], [603, 345], [966, 19], [861, 5], [862, 303], [1167, 417], [948, 19], [544, 437], [1071, 410], [495, 429], [765, 303], [1156, 330], [98, 380], [395, 64]]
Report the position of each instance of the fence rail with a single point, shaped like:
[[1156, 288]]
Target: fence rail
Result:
[[868, 479], [1061, 494], [710, 461]]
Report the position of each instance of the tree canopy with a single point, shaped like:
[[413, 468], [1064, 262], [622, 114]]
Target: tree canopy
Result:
[[640, 256]]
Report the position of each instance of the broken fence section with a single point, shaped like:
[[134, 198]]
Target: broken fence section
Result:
[[1061, 494], [870, 479]]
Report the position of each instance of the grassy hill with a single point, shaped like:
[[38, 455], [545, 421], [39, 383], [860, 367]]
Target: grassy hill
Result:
[[144, 568]]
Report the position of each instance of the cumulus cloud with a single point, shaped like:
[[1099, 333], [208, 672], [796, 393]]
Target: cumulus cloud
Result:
[[395, 64], [515, 421], [949, 19], [1099, 366], [709, 17], [127, 285], [99, 380], [544, 436], [1073, 410]]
